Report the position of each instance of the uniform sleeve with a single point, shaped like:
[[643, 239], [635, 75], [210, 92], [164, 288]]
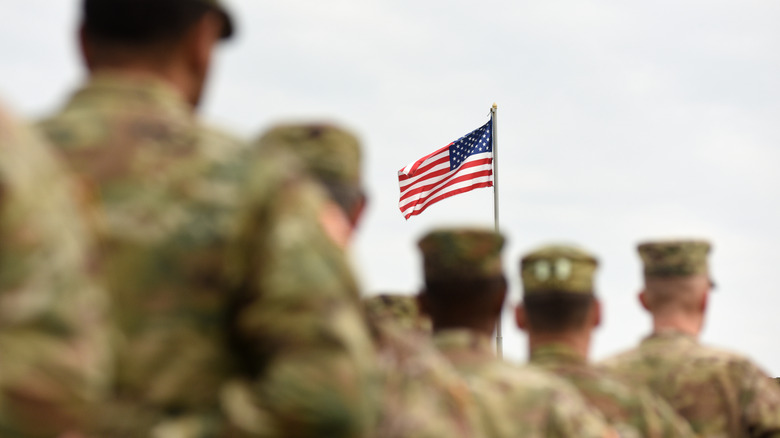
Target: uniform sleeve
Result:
[[571, 416], [54, 342], [298, 320], [760, 398], [660, 419]]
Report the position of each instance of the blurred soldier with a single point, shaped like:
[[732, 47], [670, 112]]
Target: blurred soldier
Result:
[[215, 255], [54, 357], [422, 396], [718, 392], [560, 312], [464, 294]]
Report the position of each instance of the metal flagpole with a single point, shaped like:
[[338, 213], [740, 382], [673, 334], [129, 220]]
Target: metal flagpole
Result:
[[494, 138]]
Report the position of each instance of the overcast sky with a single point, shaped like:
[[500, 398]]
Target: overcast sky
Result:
[[618, 122]]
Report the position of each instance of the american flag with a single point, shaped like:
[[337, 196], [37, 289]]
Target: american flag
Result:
[[461, 166]]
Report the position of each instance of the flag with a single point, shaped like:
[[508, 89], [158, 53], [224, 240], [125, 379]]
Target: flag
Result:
[[461, 166]]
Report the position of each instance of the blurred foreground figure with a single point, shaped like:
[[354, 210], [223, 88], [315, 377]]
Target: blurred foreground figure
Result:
[[421, 395], [215, 255], [560, 312], [718, 392], [464, 293], [54, 336]]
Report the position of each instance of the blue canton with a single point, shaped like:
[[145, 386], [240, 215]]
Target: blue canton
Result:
[[475, 142]]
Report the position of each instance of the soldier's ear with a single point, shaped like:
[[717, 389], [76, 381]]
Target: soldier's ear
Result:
[[643, 299], [520, 317], [85, 48], [596, 313], [704, 301]]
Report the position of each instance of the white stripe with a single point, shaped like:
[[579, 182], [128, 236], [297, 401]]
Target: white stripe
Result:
[[424, 194], [408, 168], [457, 186], [404, 185]]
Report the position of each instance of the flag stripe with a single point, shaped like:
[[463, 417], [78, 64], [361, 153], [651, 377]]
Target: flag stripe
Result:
[[426, 196], [412, 168], [440, 174], [468, 169], [439, 161], [465, 188]]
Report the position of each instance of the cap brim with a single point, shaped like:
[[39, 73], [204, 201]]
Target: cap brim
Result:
[[228, 29]]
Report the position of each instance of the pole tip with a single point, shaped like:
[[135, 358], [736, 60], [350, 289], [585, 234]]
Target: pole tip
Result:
[[495, 105]]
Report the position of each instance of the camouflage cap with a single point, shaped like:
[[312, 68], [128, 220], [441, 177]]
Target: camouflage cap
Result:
[[462, 254], [331, 154], [558, 268], [228, 28], [674, 257], [396, 308]]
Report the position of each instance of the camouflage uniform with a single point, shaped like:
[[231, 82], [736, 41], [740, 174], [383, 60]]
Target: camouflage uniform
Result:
[[517, 401], [720, 393], [54, 357], [511, 401], [221, 273], [631, 410], [422, 396]]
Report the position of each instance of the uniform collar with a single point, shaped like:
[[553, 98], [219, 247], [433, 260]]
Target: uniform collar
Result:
[[463, 339], [555, 353], [670, 335], [107, 89]]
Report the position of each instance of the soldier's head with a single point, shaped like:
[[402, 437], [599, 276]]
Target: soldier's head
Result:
[[677, 278], [558, 292], [465, 285], [170, 39], [331, 154]]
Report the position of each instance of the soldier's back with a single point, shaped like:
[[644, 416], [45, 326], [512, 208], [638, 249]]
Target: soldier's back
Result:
[[632, 409], [720, 393], [54, 358], [188, 216], [515, 401]]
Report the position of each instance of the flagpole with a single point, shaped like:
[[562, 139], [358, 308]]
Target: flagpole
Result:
[[494, 139]]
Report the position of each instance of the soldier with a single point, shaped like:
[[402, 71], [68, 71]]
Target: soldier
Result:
[[54, 337], [422, 396], [560, 312], [718, 392], [215, 254], [464, 294]]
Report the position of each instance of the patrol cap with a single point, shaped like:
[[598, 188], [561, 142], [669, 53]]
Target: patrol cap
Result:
[[330, 153], [461, 254], [558, 268], [398, 309], [134, 14], [674, 258]]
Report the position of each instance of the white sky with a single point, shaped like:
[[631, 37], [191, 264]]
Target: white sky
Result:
[[618, 121]]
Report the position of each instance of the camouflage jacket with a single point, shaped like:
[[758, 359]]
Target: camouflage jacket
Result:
[[423, 396], [517, 401], [219, 269], [718, 392], [632, 410], [54, 343]]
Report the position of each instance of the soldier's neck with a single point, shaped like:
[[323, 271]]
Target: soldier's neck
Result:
[[579, 341], [683, 323]]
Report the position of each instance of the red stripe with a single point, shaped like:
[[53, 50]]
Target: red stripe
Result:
[[450, 182], [447, 195], [403, 177], [421, 160], [416, 188]]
